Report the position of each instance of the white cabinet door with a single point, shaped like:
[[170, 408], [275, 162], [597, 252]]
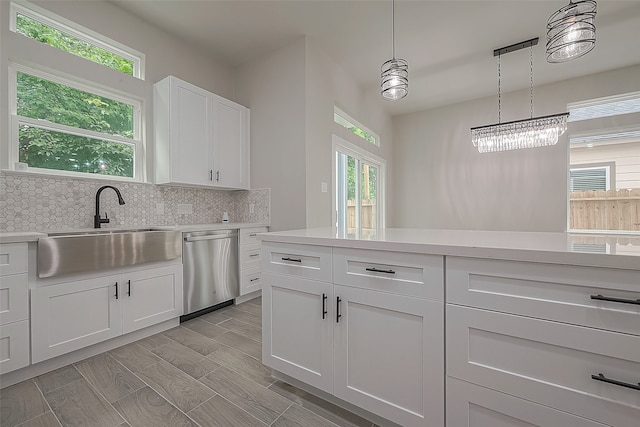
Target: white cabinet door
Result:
[[151, 296], [298, 328], [231, 144], [469, 405], [74, 315], [14, 346], [389, 355], [14, 298], [183, 132]]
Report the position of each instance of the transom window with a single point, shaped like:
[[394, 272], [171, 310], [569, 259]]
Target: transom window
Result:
[[35, 23], [343, 119]]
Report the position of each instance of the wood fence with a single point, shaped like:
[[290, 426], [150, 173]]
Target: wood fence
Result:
[[605, 210], [368, 213]]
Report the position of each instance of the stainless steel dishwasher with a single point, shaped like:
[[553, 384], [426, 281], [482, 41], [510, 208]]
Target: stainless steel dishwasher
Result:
[[210, 277]]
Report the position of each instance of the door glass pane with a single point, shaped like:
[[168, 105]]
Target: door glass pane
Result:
[[369, 208], [348, 218]]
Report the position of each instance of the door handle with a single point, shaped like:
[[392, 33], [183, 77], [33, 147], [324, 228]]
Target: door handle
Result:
[[292, 259], [324, 306], [129, 287], [210, 174], [601, 377], [375, 270], [217, 176], [338, 315], [116, 285], [620, 300]]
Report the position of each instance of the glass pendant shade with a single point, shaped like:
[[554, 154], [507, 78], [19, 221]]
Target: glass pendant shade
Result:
[[571, 31], [528, 133], [394, 76]]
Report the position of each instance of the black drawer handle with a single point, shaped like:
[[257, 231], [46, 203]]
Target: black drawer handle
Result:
[[253, 235], [253, 255], [324, 306], [292, 259], [375, 270], [338, 315], [601, 377], [116, 285], [254, 279], [621, 300], [129, 287]]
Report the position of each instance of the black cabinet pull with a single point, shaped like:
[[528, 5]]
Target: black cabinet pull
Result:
[[217, 176], [292, 259], [252, 235], [375, 270], [129, 287], [253, 280], [324, 306], [621, 300], [338, 315], [116, 285], [253, 255], [601, 377], [210, 174]]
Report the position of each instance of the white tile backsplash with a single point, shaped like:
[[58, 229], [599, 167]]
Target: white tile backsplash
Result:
[[34, 203]]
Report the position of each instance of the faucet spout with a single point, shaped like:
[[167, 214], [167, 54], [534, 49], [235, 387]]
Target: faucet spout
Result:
[[97, 220]]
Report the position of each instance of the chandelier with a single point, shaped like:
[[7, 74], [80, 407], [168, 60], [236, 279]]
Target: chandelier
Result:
[[525, 133], [394, 73], [571, 31]]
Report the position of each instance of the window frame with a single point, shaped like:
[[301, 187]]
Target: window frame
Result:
[[66, 26], [339, 112], [608, 167], [341, 145], [16, 120]]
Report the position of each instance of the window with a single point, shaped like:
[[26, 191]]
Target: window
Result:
[[604, 164], [359, 195], [343, 119], [64, 126], [37, 24], [590, 178]]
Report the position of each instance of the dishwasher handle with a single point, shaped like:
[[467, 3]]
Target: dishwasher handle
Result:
[[209, 237]]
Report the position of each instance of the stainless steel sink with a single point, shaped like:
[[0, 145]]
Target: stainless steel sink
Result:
[[103, 249], [99, 231]]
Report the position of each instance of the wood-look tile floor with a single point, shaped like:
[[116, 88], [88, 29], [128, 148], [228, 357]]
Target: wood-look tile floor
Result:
[[206, 372]]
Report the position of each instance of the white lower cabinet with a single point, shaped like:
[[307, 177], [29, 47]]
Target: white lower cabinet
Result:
[[298, 328], [381, 351], [389, 355], [14, 346], [469, 405], [69, 316]]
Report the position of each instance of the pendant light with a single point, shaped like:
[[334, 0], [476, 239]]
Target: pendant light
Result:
[[394, 74], [526, 133], [571, 31]]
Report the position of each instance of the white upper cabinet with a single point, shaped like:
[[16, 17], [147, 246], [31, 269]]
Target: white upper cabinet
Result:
[[201, 139]]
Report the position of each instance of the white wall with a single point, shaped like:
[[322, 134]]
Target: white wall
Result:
[[273, 87], [441, 181]]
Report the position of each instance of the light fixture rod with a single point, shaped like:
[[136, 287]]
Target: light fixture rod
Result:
[[516, 46], [521, 120], [393, 29]]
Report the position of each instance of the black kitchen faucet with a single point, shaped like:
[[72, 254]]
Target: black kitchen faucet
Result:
[[97, 221]]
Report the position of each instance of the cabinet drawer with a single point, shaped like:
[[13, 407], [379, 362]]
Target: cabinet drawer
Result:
[[13, 258], [469, 405], [248, 235], [14, 298], [546, 362], [409, 274], [311, 262], [250, 280], [14, 346], [554, 292], [250, 255]]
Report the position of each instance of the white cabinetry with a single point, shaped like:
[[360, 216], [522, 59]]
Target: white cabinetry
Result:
[[250, 260], [14, 307], [70, 316], [201, 139], [565, 337], [357, 334]]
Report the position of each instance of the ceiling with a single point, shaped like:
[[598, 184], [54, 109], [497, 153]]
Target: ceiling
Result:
[[448, 44]]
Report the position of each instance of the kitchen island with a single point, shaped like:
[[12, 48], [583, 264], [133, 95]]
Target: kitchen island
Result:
[[480, 328]]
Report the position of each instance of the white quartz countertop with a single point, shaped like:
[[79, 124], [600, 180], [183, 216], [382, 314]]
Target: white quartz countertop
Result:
[[19, 237], [598, 250]]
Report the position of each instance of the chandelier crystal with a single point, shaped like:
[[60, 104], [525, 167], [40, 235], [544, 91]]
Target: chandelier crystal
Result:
[[527, 133], [571, 31]]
